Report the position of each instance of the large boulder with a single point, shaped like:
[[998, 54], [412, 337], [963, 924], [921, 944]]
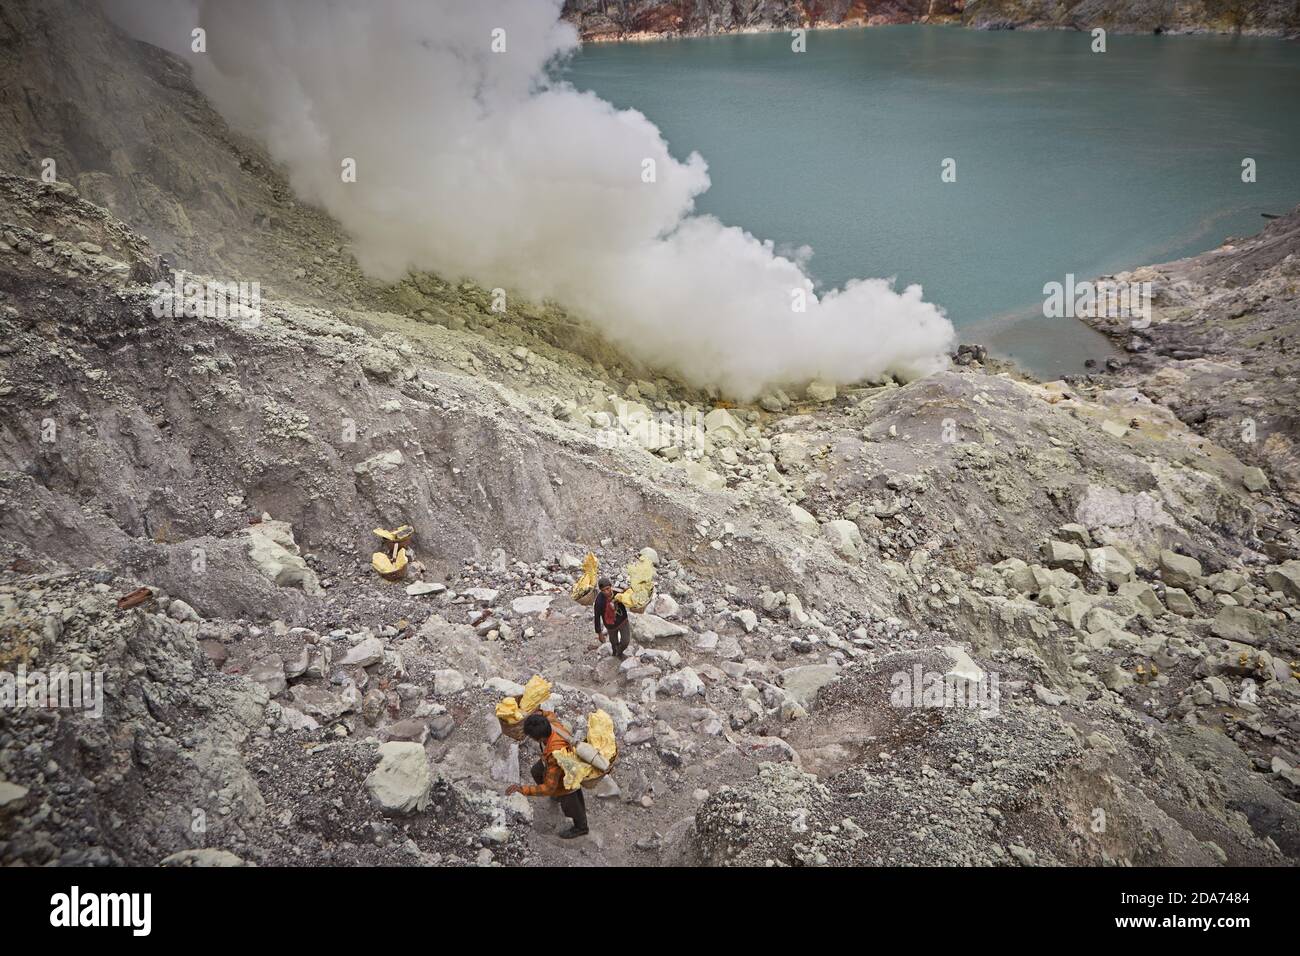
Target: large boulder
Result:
[[1110, 565], [269, 672], [274, 552], [532, 603], [1143, 597], [1018, 576], [803, 519], [703, 477], [1242, 624], [1059, 553], [803, 683], [1285, 577], [843, 536], [819, 391], [1180, 571], [720, 423], [1180, 602], [682, 683], [652, 627], [402, 781], [367, 652]]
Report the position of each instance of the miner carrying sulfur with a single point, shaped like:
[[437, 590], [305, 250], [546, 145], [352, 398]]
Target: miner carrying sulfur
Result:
[[612, 615], [552, 736]]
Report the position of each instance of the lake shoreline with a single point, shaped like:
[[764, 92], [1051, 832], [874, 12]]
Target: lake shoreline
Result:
[[660, 36]]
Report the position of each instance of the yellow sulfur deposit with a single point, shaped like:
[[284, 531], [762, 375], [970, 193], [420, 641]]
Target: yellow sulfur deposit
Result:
[[508, 710], [641, 586], [584, 589], [393, 569], [400, 535], [536, 690], [600, 734]]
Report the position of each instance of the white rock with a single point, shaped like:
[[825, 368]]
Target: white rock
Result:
[[506, 688], [448, 681], [652, 627], [420, 588], [666, 606], [844, 536], [1110, 565], [401, 782], [721, 423], [704, 478], [274, 552], [532, 603], [803, 519], [963, 669]]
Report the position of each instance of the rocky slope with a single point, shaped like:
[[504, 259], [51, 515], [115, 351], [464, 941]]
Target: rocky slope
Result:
[[1107, 587], [1222, 348], [648, 19]]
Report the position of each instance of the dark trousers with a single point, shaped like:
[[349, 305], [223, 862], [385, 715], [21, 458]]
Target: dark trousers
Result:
[[620, 637], [574, 804]]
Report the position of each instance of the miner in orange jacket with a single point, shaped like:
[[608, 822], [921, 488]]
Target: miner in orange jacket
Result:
[[544, 727]]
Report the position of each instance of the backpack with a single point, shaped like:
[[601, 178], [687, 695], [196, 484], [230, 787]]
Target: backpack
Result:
[[611, 612]]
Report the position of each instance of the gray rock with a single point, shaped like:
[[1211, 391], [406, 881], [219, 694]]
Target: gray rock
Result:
[[1110, 565], [682, 683], [414, 731], [1180, 602], [1242, 624], [384, 461], [180, 611], [1179, 570], [1285, 577], [1058, 553], [421, 588], [367, 652], [269, 672], [844, 536], [652, 627], [448, 681], [442, 726], [532, 603], [203, 857], [803, 683]]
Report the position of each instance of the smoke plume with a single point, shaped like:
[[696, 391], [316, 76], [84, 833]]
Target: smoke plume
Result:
[[477, 164]]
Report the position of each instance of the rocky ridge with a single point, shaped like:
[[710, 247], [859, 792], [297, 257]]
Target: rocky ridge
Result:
[[659, 19]]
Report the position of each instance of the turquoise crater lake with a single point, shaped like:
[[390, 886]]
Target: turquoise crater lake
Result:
[[1068, 161]]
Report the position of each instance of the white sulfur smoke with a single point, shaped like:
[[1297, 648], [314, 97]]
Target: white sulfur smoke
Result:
[[474, 164]]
